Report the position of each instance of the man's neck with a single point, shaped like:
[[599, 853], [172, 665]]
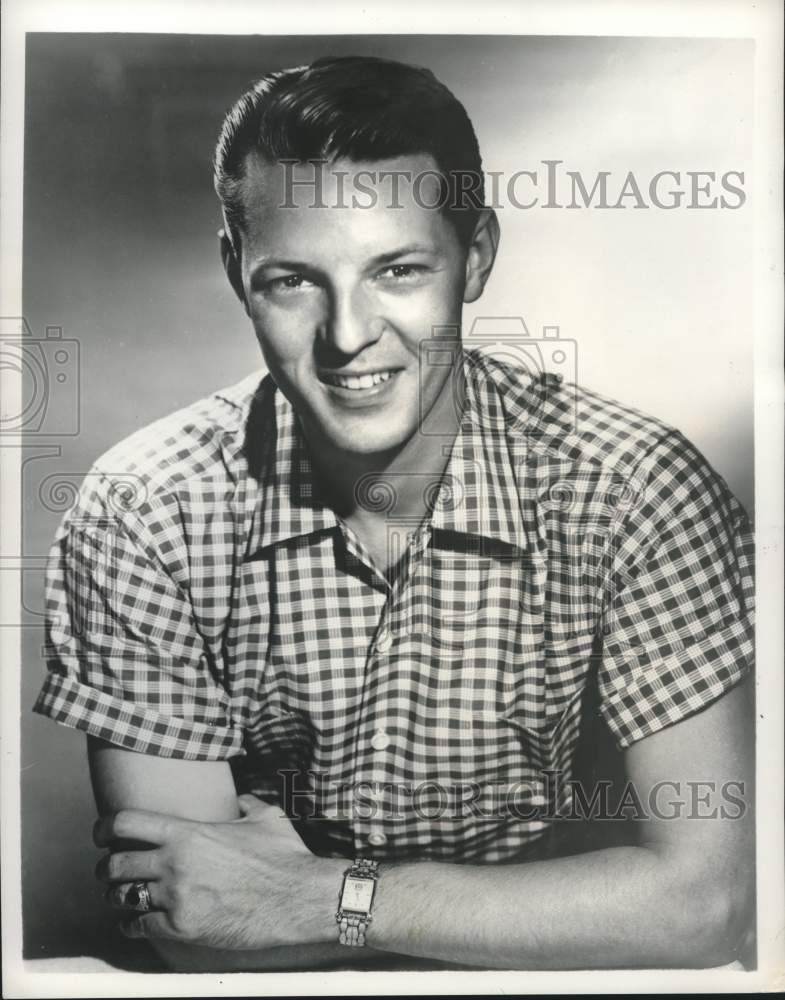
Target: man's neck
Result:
[[407, 472]]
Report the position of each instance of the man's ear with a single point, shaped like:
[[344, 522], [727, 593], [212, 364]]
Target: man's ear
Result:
[[231, 265], [481, 255]]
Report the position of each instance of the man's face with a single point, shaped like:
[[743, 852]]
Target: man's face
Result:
[[341, 297]]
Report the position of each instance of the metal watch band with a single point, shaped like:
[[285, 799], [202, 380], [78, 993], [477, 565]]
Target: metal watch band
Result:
[[352, 925]]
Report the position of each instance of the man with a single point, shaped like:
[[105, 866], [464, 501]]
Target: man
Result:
[[377, 590]]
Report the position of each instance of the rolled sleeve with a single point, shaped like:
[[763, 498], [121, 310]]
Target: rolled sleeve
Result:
[[680, 629], [124, 656]]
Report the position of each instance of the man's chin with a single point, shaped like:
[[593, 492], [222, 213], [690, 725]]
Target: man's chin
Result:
[[364, 442], [383, 446]]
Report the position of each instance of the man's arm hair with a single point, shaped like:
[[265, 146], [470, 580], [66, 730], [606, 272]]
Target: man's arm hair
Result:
[[681, 897], [202, 791]]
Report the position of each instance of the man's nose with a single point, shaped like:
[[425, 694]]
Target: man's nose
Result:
[[353, 322]]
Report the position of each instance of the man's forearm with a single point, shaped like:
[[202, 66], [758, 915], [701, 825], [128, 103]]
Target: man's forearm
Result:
[[616, 907], [181, 956], [319, 947], [681, 898]]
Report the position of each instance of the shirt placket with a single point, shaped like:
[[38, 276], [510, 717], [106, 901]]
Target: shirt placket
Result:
[[375, 803]]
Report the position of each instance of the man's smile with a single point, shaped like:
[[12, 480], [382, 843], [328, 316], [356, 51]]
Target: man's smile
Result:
[[355, 385]]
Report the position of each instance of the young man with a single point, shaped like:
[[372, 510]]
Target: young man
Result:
[[376, 589]]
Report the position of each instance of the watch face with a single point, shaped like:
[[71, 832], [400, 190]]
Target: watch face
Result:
[[357, 894]]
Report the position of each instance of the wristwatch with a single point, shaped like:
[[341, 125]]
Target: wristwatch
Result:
[[356, 900]]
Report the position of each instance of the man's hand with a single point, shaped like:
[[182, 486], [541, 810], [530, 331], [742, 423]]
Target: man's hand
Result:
[[246, 884]]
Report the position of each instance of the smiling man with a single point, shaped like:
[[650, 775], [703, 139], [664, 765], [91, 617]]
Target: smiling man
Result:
[[332, 664], [341, 299]]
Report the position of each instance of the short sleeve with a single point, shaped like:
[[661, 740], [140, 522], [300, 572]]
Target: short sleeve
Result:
[[124, 657], [679, 623]]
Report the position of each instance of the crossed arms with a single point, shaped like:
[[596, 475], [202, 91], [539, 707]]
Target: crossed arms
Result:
[[234, 887]]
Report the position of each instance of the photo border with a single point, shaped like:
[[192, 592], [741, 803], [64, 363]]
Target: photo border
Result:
[[761, 21]]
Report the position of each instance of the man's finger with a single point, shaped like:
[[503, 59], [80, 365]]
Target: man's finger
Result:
[[126, 896], [129, 866], [251, 806], [149, 925], [135, 824]]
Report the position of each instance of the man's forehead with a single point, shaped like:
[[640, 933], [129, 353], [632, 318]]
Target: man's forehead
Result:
[[342, 206], [406, 181]]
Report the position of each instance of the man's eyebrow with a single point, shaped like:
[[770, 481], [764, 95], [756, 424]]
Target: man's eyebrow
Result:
[[385, 258], [281, 263]]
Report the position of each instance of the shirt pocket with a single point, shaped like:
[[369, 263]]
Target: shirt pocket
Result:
[[528, 764], [549, 747]]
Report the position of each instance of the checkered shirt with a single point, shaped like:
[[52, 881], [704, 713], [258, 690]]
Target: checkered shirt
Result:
[[204, 604]]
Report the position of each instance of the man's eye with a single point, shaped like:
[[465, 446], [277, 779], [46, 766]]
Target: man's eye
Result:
[[290, 282], [402, 272]]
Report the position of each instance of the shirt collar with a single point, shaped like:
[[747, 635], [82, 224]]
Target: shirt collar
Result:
[[277, 478], [481, 493], [484, 489]]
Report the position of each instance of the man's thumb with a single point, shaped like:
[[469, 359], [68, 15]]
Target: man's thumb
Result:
[[250, 805]]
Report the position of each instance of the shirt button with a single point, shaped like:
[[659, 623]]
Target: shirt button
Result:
[[384, 641], [380, 740], [377, 839]]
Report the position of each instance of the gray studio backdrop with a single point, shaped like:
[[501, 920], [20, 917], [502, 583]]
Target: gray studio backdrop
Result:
[[121, 257]]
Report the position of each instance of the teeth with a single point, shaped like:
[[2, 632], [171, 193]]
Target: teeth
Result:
[[359, 381]]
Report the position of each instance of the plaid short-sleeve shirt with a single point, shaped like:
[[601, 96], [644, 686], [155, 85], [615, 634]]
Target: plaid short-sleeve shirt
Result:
[[204, 603]]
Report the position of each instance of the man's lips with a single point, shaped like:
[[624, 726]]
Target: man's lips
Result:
[[358, 381]]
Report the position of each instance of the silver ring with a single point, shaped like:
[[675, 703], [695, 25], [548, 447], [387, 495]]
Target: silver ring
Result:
[[138, 897]]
